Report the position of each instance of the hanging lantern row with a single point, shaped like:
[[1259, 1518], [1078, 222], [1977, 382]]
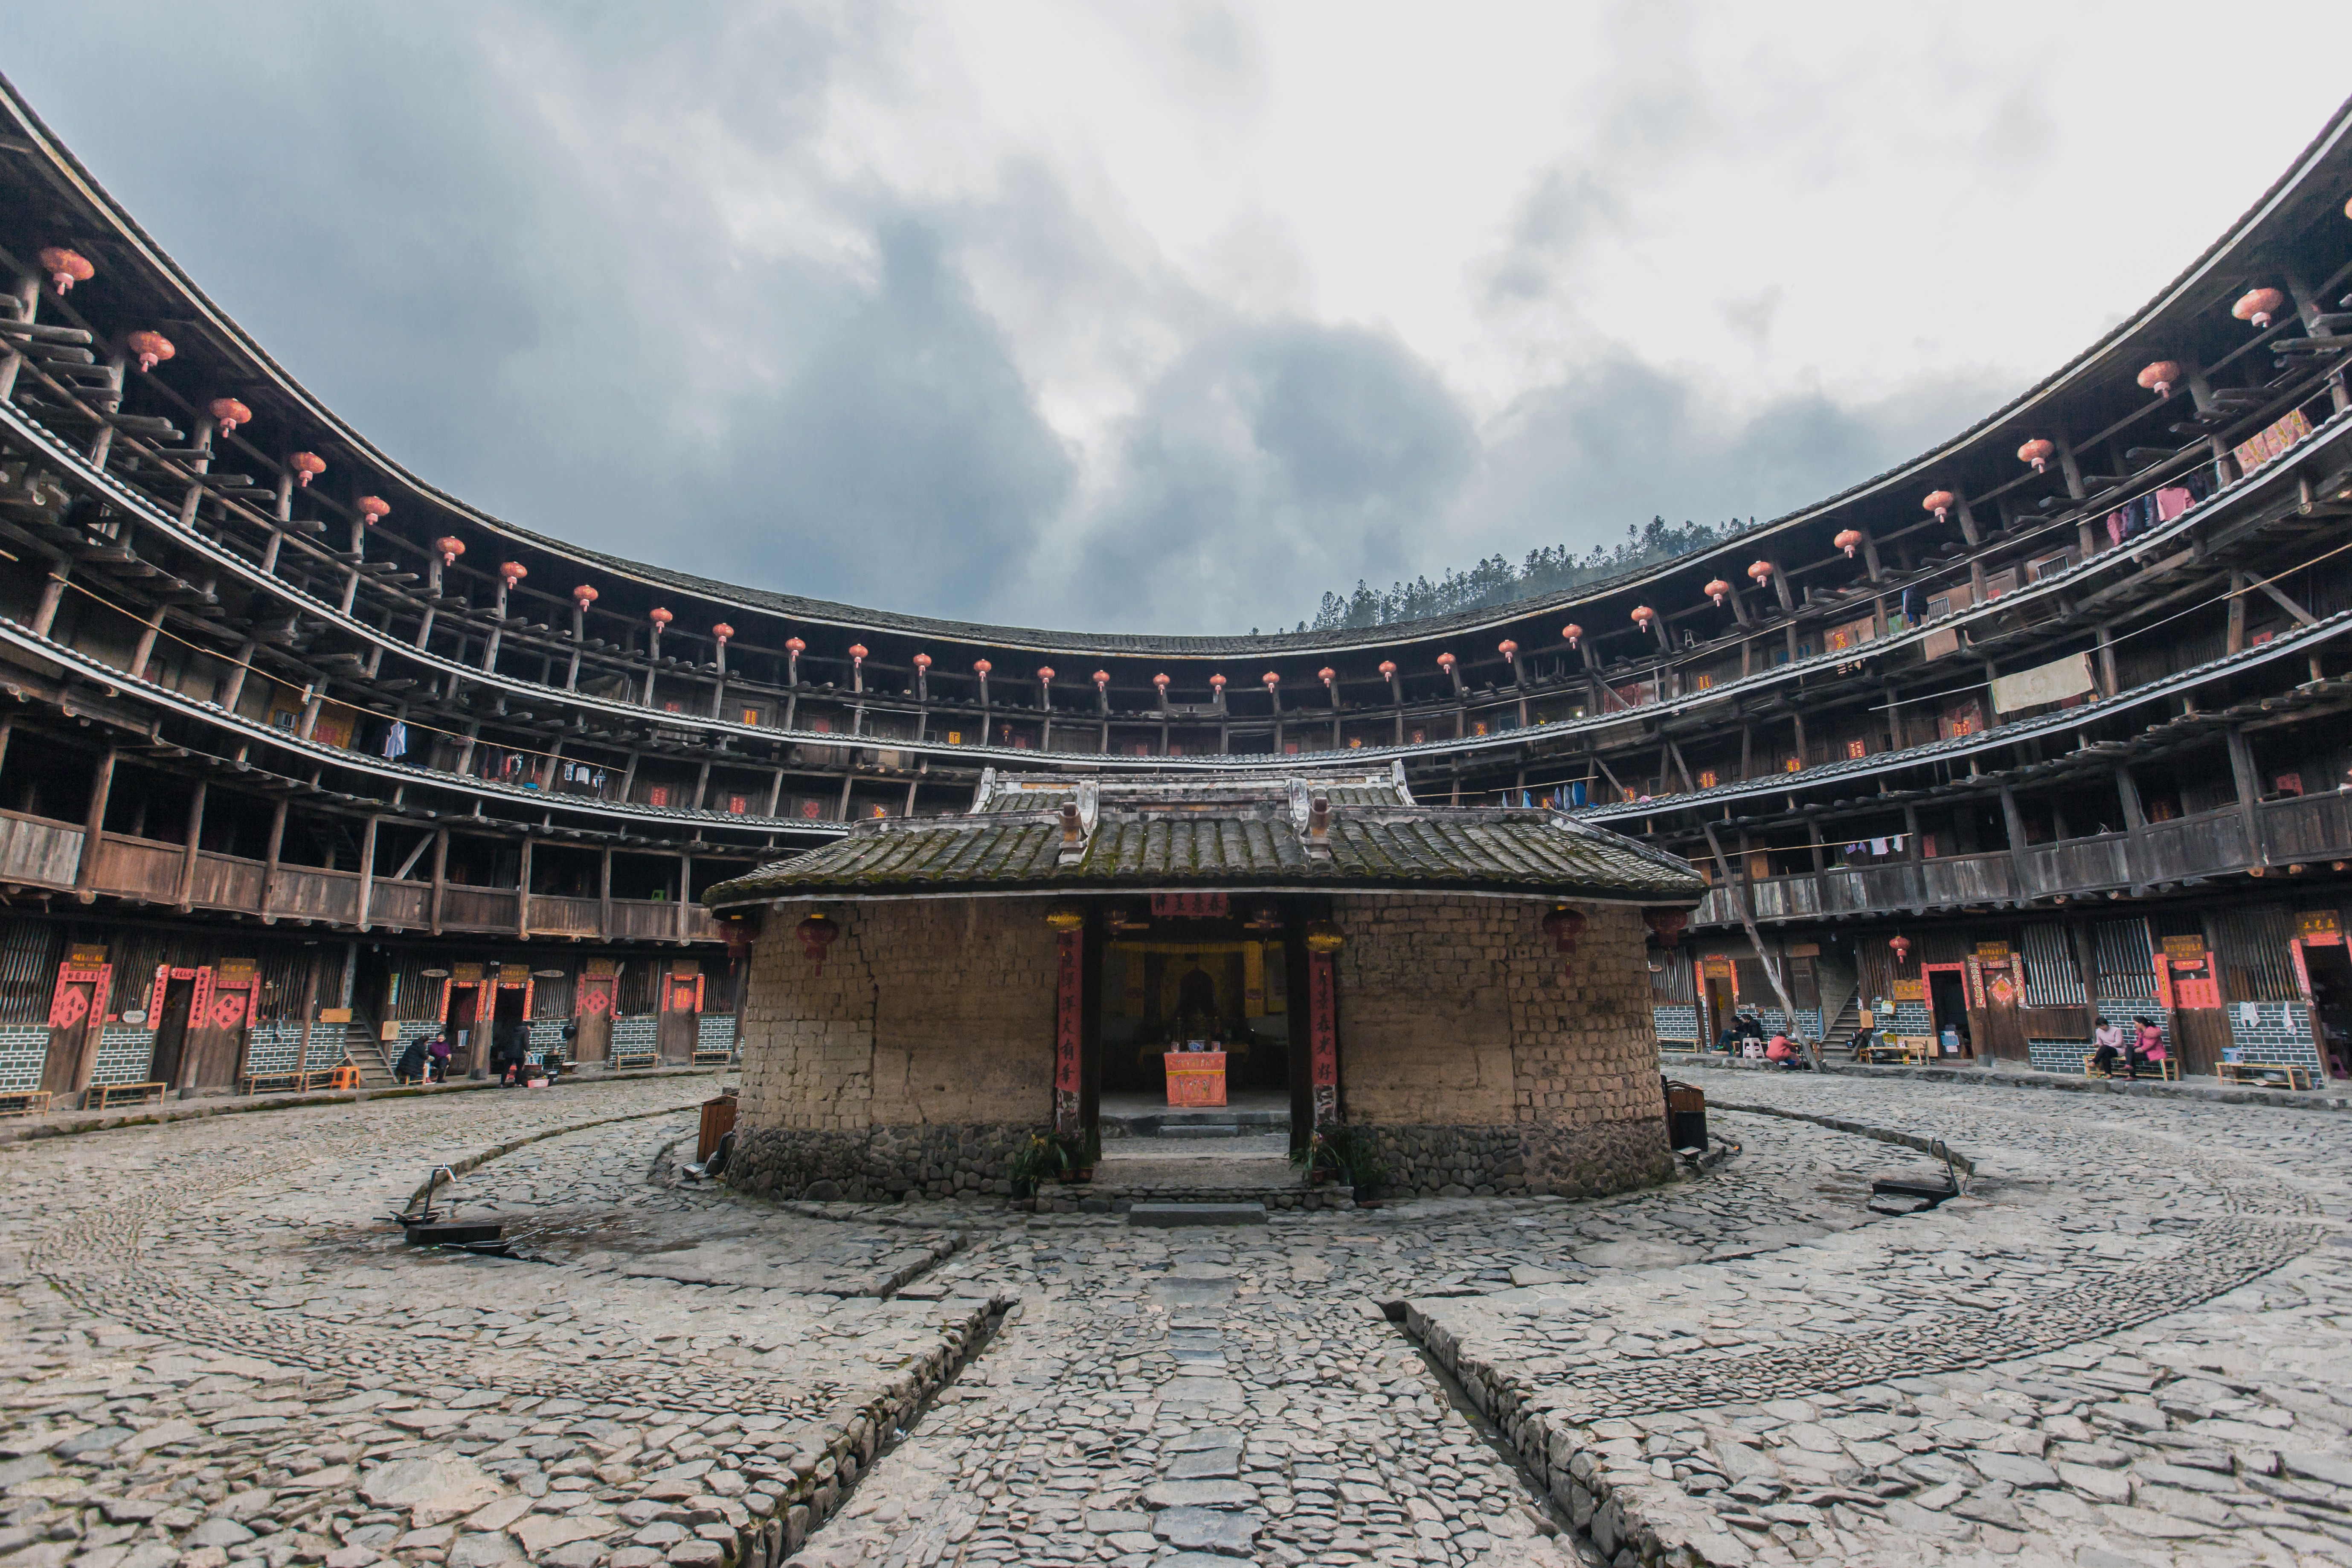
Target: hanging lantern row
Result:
[[66, 267]]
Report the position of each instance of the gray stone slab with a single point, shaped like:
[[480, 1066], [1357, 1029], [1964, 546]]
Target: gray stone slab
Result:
[[1202, 1130], [1199, 1494], [1169, 1215], [1204, 1529], [1209, 1464]]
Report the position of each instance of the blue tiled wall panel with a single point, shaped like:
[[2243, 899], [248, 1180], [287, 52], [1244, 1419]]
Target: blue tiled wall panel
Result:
[[715, 1032], [23, 1048], [125, 1055], [2278, 1034], [1673, 1021]]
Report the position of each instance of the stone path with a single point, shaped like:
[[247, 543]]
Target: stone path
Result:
[[2124, 1346]]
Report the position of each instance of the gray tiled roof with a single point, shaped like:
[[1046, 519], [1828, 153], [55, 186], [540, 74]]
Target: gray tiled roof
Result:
[[1247, 832]]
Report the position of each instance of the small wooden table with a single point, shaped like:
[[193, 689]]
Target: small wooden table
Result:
[[1911, 1050], [1195, 1078], [2267, 1075]]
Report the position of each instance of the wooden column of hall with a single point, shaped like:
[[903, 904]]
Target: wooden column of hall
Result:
[[93, 831]]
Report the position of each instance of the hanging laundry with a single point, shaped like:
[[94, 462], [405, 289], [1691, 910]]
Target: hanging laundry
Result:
[[395, 739], [2171, 502]]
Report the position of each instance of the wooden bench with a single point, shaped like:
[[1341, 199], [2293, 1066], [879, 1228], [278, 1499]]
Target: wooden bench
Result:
[[1685, 1047], [2168, 1069], [714, 1058], [635, 1058], [2267, 1075], [1911, 1050], [24, 1102], [99, 1096], [344, 1077]]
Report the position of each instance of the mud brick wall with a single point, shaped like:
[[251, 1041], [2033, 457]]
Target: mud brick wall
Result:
[[920, 1058], [1485, 1059]]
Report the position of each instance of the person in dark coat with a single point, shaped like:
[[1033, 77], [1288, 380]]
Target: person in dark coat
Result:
[[411, 1066]]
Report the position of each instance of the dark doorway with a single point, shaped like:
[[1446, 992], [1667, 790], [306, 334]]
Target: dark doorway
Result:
[[2330, 970], [463, 1002], [507, 1022], [1948, 999], [172, 1032], [1716, 998]]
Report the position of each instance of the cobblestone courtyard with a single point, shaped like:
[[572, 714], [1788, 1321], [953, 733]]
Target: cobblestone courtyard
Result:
[[2124, 1345]]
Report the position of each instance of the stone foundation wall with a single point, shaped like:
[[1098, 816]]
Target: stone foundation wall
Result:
[[874, 1163], [1486, 1060]]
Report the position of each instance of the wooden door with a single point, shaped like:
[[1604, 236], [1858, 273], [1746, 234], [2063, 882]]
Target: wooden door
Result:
[[77, 1023], [171, 1023], [595, 1016], [2002, 1032], [2187, 983], [681, 1012]]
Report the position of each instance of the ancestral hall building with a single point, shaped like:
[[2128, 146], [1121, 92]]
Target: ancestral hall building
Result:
[[300, 756], [1466, 983]]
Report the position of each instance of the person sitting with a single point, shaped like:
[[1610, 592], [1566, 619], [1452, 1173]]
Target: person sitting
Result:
[[1779, 1052], [2149, 1048], [411, 1067], [2107, 1048], [437, 1059]]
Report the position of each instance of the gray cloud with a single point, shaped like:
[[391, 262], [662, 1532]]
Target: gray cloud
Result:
[[600, 279]]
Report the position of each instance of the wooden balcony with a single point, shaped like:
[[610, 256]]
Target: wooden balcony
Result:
[[2293, 832], [40, 852]]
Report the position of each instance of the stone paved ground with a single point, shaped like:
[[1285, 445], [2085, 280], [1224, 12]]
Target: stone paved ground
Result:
[[2124, 1346]]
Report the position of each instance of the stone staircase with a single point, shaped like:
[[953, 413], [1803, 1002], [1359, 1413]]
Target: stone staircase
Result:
[[1236, 1155]]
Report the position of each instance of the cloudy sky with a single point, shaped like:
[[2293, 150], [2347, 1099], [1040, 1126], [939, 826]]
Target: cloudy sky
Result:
[[1165, 317]]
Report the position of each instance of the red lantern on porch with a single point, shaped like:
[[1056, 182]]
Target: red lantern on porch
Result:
[[1445, 662], [660, 618], [375, 509], [513, 572], [451, 547], [1643, 616], [2038, 452], [1760, 571], [1940, 503], [1326, 674], [1573, 633], [1717, 590], [981, 668], [922, 661], [150, 349], [1901, 946], [1162, 682], [722, 633], [1388, 669], [583, 596], [1669, 924], [66, 267], [307, 465], [1564, 925], [2258, 306], [230, 413], [1102, 680], [1848, 540], [1270, 679], [2160, 377], [818, 933], [1509, 650], [1045, 680], [1219, 682]]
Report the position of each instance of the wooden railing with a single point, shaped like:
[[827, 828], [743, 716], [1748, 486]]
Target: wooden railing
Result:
[[2295, 831], [36, 850]]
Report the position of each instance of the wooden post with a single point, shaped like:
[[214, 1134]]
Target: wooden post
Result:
[[522, 890], [776, 792], [2013, 820], [45, 614], [146, 648], [629, 778], [269, 865], [2107, 662], [186, 898], [685, 885], [367, 867], [2135, 824], [701, 785], [2236, 642], [93, 830], [440, 874], [604, 895], [309, 1009], [2249, 794]]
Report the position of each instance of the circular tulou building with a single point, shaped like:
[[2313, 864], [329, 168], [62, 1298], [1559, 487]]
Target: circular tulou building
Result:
[[304, 759], [1464, 984]]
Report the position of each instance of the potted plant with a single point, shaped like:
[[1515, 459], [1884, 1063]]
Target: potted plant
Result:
[[1043, 1158], [1338, 1152], [1079, 1154]]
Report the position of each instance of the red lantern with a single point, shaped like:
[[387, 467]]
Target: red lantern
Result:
[[451, 547], [583, 596], [1668, 924], [1717, 590], [375, 509], [307, 465], [1762, 571], [857, 653], [1940, 503], [1046, 675], [981, 668], [65, 268], [1564, 925], [795, 647], [1326, 674], [2160, 377], [2258, 306], [2038, 452], [1388, 669], [722, 632], [1643, 615], [1270, 679], [1509, 650], [1160, 681], [513, 572], [1848, 540], [231, 414], [1901, 946], [1102, 679], [150, 349], [1445, 661], [818, 933], [660, 618], [1218, 681], [922, 661], [1572, 632]]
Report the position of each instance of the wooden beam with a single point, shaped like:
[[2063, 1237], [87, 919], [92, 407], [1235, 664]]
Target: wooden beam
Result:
[[2249, 793], [187, 900], [604, 894], [2289, 605], [93, 832], [440, 875], [367, 867], [522, 889]]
